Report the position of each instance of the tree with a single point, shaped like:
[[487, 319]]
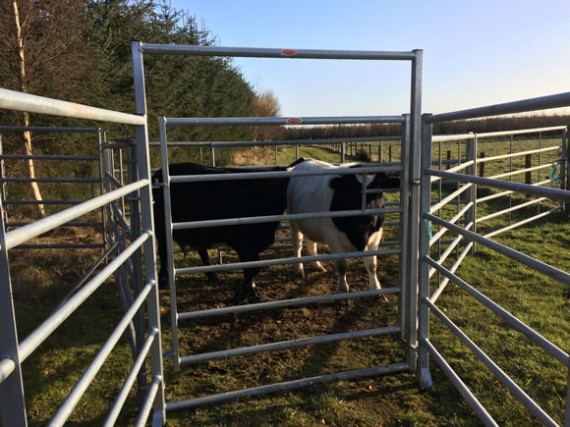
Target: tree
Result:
[[43, 52], [266, 105]]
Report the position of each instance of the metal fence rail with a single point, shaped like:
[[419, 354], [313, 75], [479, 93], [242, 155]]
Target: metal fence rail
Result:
[[462, 224], [176, 316], [11, 194], [15, 351]]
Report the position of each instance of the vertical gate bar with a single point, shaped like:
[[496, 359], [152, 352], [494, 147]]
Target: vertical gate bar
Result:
[[169, 243], [511, 178], [149, 250], [539, 160], [424, 375], [414, 217], [471, 195], [567, 417], [565, 168], [4, 194], [101, 136], [12, 402], [137, 266], [405, 151]]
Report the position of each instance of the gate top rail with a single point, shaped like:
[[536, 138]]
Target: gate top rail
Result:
[[523, 106], [277, 52], [13, 100], [34, 229], [471, 135], [48, 129], [268, 121]]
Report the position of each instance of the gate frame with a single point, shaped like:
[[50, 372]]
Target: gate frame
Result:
[[14, 352], [410, 168], [426, 306]]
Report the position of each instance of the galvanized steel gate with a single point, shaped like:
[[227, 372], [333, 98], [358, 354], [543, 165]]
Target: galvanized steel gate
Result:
[[407, 210], [463, 225], [136, 269], [130, 257]]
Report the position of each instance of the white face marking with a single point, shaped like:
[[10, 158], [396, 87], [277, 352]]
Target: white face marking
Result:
[[369, 178]]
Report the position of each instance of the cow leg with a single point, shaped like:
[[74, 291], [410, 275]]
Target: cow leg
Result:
[[297, 240], [312, 250], [163, 271], [371, 262], [247, 289], [342, 267], [212, 276]]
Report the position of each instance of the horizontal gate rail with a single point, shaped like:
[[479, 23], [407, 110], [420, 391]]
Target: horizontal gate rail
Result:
[[522, 222], [287, 386], [545, 344], [284, 345], [523, 106], [282, 121], [278, 218], [469, 397], [517, 154], [270, 262], [35, 229], [306, 141], [552, 193], [13, 100], [524, 398], [213, 312], [276, 53], [45, 157]]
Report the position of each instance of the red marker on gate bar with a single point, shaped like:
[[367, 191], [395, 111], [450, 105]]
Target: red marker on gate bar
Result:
[[289, 52]]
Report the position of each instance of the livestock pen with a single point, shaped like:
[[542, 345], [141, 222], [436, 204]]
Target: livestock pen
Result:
[[437, 199]]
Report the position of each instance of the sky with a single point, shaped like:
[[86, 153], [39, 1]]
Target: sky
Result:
[[475, 53]]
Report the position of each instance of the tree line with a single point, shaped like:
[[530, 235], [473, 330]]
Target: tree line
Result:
[[80, 51]]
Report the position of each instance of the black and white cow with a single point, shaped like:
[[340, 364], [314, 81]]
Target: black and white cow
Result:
[[198, 201], [325, 193]]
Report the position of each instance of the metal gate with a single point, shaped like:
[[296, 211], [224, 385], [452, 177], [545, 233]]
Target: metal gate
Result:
[[130, 256], [407, 210], [463, 225]]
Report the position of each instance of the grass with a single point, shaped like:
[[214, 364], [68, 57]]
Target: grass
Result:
[[43, 277]]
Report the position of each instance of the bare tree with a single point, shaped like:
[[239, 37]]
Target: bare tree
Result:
[[30, 169], [42, 53], [266, 105]]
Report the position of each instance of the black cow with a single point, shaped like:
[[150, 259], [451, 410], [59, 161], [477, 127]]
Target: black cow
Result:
[[323, 193], [198, 201]]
